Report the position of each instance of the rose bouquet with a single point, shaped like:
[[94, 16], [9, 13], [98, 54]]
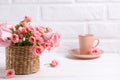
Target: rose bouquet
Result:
[[24, 44], [23, 34]]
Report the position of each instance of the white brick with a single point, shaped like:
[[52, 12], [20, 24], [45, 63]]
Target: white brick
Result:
[[113, 0], [24, 1], [17, 12], [114, 11], [4, 1], [55, 1], [73, 13], [97, 0], [90, 0], [105, 30], [110, 45], [43, 1]]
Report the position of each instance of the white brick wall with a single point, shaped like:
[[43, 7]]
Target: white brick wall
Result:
[[70, 18], [5, 1], [73, 13]]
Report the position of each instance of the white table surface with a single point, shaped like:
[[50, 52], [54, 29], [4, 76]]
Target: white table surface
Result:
[[107, 67]]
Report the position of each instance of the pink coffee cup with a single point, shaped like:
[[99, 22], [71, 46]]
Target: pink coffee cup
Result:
[[86, 42]]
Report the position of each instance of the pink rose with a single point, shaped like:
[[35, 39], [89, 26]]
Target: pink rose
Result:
[[39, 40], [47, 36], [94, 51], [32, 39], [56, 39], [53, 39], [22, 30], [5, 33], [27, 19], [9, 73], [15, 38], [5, 43], [54, 63], [30, 28], [37, 50], [37, 34], [40, 29], [48, 45]]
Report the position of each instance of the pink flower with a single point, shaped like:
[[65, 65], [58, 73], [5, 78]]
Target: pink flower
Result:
[[9, 73], [54, 63], [47, 36], [30, 28], [37, 50], [37, 34], [39, 40], [48, 45], [5, 33], [32, 39], [5, 43], [53, 39], [15, 38], [40, 29], [94, 51], [27, 19], [56, 39], [22, 30]]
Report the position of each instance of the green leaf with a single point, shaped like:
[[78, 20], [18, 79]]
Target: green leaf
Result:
[[38, 44], [28, 34]]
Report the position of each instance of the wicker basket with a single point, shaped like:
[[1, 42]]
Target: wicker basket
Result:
[[21, 59]]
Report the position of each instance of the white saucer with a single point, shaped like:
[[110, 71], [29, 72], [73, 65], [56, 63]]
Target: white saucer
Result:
[[76, 53]]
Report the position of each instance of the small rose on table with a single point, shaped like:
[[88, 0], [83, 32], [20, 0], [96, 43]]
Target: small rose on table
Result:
[[54, 63], [9, 73]]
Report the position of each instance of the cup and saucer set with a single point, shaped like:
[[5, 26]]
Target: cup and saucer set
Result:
[[87, 49]]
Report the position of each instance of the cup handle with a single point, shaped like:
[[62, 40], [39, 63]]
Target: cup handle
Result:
[[98, 41]]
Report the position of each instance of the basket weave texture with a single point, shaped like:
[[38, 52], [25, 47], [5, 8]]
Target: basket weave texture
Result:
[[21, 59]]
